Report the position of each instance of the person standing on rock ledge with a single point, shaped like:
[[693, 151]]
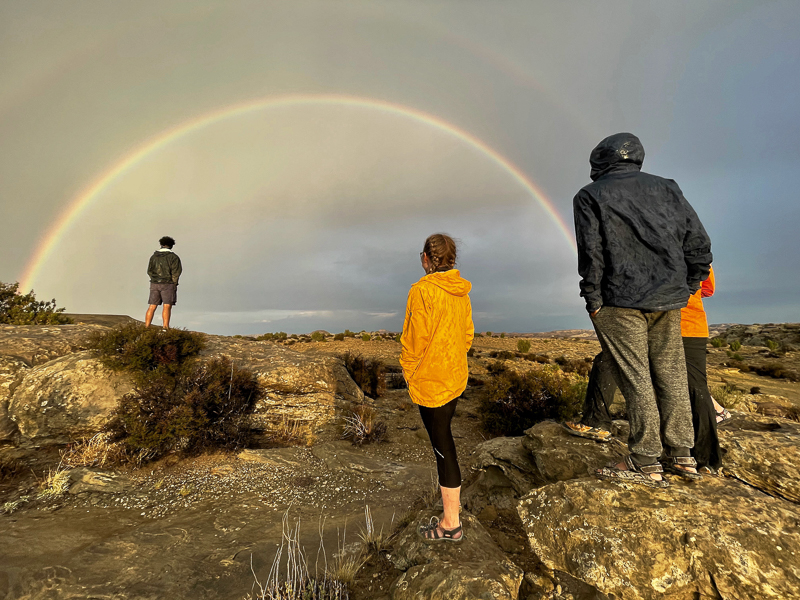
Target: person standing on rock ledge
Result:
[[642, 252], [164, 270], [437, 334]]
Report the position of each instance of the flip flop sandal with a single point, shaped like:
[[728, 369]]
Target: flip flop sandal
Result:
[[706, 470], [430, 532], [585, 431], [674, 464], [635, 474], [724, 415]]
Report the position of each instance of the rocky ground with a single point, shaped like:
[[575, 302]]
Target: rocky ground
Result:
[[537, 525]]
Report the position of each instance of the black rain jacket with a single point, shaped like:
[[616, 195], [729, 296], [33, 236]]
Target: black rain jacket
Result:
[[164, 267], [640, 243]]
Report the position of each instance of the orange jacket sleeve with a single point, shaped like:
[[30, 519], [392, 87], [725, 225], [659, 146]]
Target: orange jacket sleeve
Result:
[[470, 327], [708, 286], [416, 333]]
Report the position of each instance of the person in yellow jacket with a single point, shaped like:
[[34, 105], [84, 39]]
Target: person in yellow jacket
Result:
[[437, 334]]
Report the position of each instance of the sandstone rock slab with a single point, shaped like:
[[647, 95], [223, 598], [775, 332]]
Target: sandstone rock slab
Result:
[[512, 458], [38, 344], [66, 399], [716, 539], [763, 452], [473, 569], [560, 456], [300, 387], [341, 456]]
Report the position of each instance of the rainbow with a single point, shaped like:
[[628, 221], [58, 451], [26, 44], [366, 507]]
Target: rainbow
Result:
[[85, 198]]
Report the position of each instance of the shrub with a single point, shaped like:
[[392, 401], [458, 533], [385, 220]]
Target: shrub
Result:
[[477, 335], [19, 309], [755, 390], [147, 352], [569, 365], [514, 402], [727, 394], [772, 345], [362, 426], [501, 354], [206, 407], [369, 375], [397, 338], [348, 333], [366, 337], [777, 370], [736, 345], [717, 342], [339, 337], [738, 364], [395, 379], [318, 336], [471, 352], [502, 335], [524, 346], [737, 356], [488, 334], [267, 337]]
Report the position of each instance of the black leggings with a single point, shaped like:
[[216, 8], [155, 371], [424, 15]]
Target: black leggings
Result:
[[437, 424]]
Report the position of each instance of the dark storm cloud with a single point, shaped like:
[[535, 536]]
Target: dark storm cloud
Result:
[[709, 87]]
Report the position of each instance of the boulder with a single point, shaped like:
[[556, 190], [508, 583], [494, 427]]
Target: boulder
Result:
[[85, 480], [473, 569], [509, 456], [312, 390], [66, 399], [11, 371], [716, 539], [764, 452], [38, 344], [559, 456]]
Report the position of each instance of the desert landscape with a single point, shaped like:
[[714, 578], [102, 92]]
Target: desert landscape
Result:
[[77, 524]]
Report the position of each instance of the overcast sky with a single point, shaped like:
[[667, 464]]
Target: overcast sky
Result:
[[312, 216]]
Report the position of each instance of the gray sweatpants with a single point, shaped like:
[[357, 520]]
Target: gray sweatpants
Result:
[[650, 369]]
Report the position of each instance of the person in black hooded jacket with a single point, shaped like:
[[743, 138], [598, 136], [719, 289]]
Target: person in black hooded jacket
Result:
[[642, 252]]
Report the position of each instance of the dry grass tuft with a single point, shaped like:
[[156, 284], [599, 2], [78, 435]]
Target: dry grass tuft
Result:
[[97, 451], [374, 540], [362, 426], [55, 484], [291, 432]]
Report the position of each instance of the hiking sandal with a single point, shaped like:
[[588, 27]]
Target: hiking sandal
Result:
[[635, 474], [674, 464], [706, 470], [585, 431], [723, 415], [430, 532]]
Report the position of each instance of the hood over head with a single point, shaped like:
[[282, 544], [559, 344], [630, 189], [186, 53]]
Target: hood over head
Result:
[[450, 281], [616, 149]]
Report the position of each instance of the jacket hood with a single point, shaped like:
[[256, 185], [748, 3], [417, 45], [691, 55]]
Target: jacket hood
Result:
[[616, 149], [450, 281]]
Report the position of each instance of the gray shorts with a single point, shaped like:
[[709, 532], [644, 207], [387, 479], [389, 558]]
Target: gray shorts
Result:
[[166, 293]]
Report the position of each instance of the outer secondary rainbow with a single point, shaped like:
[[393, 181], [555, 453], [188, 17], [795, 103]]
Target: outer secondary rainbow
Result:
[[87, 196]]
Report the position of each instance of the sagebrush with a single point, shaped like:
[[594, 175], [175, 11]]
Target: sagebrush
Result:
[[513, 402]]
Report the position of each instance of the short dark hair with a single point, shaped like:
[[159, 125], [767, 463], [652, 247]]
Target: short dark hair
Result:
[[166, 242]]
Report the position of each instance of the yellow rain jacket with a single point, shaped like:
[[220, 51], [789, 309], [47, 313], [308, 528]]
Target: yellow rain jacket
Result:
[[437, 334]]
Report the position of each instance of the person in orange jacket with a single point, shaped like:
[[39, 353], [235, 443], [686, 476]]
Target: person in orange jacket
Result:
[[694, 330], [437, 334]]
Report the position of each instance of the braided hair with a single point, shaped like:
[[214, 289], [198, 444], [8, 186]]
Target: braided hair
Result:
[[441, 251]]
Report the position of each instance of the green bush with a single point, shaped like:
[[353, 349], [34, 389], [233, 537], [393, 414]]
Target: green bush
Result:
[[717, 342], [736, 356], [514, 402], [147, 352], [366, 337], [523, 346], [369, 375], [339, 337], [348, 333], [777, 370], [203, 408], [772, 345], [736, 345], [502, 335], [397, 338], [501, 354], [19, 309], [488, 334], [570, 365], [318, 336]]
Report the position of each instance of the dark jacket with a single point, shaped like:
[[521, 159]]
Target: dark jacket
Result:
[[164, 267], [640, 243]]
